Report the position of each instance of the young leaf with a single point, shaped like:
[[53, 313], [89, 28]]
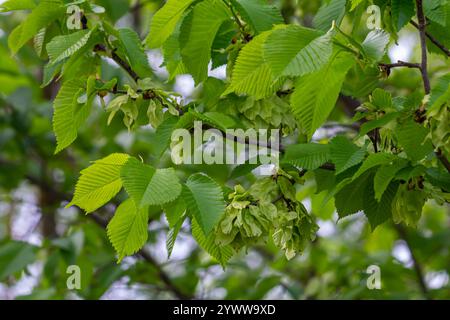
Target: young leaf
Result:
[[149, 186], [62, 47], [221, 253], [312, 101], [174, 211], [385, 175], [349, 199], [345, 154], [308, 156], [165, 21], [173, 234], [99, 183], [15, 256], [295, 51], [207, 18], [68, 113], [46, 12], [12, 5], [127, 230], [259, 14], [413, 138], [375, 44], [252, 75], [204, 200], [135, 52], [378, 212], [330, 11], [377, 123], [374, 160], [402, 11], [163, 134]]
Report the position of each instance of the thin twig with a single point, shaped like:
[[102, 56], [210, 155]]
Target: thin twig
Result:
[[433, 39], [147, 257], [417, 266], [423, 46], [440, 155], [423, 67], [399, 64]]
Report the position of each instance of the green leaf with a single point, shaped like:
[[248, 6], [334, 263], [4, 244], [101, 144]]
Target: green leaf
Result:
[[165, 20], [349, 199], [374, 160], [402, 11], [243, 169], [308, 156], [312, 101], [330, 11], [172, 55], [439, 30], [355, 3], [414, 139], [12, 5], [438, 178], [345, 154], [378, 212], [377, 123], [252, 75], [68, 114], [135, 52], [325, 180], [174, 211], [208, 243], [127, 230], [172, 235], [163, 135], [99, 183], [62, 47], [207, 18], [382, 99], [15, 256], [385, 175], [295, 51], [440, 95], [216, 119], [375, 44], [204, 200], [435, 10], [46, 12], [149, 186], [260, 15]]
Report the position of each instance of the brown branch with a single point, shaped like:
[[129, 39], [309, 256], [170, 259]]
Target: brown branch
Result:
[[399, 64], [440, 155], [124, 65], [433, 39], [417, 266], [423, 46], [421, 26], [170, 286]]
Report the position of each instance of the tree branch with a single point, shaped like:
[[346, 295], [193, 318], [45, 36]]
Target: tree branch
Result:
[[440, 155], [170, 286], [417, 266], [423, 46], [388, 66], [433, 39]]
